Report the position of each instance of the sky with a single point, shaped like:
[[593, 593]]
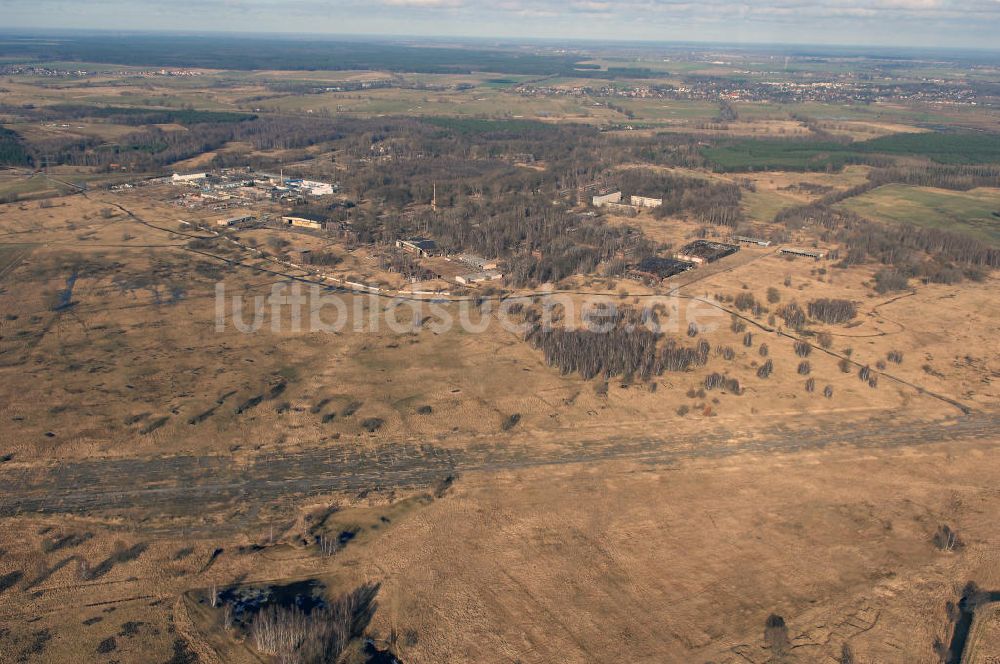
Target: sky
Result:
[[920, 23]]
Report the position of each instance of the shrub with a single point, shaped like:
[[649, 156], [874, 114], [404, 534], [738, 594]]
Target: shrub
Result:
[[510, 421], [888, 280], [946, 539], [802, 348], [804, 368], [765, 369], [773, 295], [372, 424], [745, 301]]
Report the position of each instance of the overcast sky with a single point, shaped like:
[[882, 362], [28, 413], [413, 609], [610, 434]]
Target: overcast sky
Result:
[[950, 23]]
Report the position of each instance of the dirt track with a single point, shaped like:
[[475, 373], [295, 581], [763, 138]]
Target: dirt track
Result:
[[182, 486]]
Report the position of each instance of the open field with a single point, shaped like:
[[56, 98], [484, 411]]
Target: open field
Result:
[[975, 212], [210, 415]]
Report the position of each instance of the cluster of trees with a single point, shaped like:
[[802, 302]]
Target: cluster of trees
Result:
[[702, 199], [793, 315], [136, 116], [294, 636], [623, 350], [830, 310], [150, 148], [933, 254], [539, 241], [12, 150], [957, 177], [717, 380]]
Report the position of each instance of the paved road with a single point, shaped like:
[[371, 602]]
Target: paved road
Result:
[[161, 489]]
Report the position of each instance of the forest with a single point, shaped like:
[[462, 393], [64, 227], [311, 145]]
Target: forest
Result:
[[12, 149]]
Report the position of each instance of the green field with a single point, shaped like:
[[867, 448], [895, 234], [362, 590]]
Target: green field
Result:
[[943, 148], [975, 212]]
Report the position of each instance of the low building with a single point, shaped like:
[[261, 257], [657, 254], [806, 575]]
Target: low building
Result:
[[186, 179], [479, 277], [235, 221], [743, 239], [478, 262], [604, 199], [706, 251], [304, 220], [419, 246], [622, 208], [809, 253], [646, 202], [655, 268], [317, 188]]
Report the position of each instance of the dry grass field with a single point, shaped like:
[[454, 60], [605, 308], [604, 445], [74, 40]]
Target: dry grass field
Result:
[[590, 553], [157, 455]]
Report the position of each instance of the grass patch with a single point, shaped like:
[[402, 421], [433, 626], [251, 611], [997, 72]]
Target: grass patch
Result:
[[944, 148], [975, 212]]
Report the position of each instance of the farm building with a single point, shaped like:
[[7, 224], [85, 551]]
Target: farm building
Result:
[[646, 202], [312, 221], [743, 239], [655, 268], [809, 253], [601, 201], [419, 246], [706, 251]]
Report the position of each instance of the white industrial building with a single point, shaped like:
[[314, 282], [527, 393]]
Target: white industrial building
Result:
[[646, 202], [184, 179], [601, 201]]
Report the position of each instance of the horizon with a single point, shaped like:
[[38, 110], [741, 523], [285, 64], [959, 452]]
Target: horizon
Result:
[[833, 23], [485, 42]]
